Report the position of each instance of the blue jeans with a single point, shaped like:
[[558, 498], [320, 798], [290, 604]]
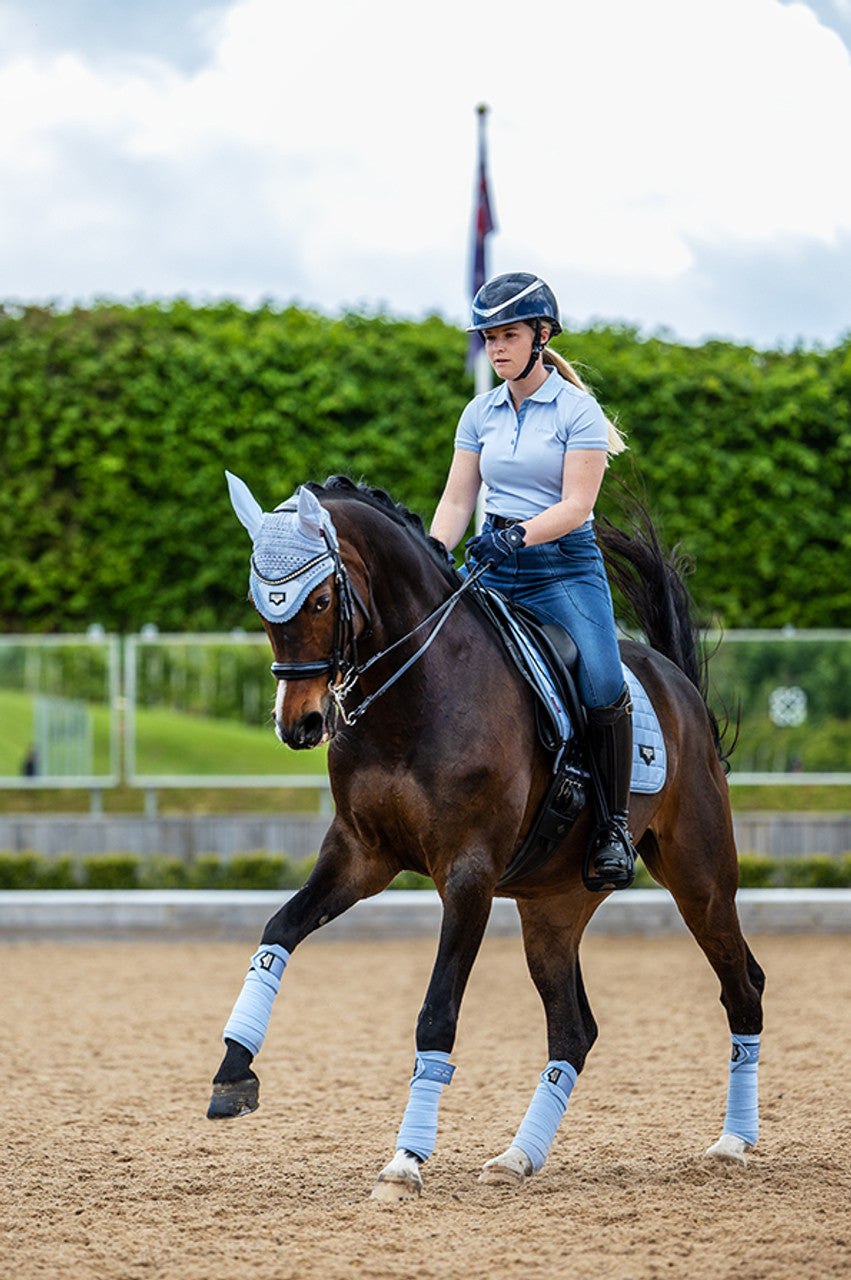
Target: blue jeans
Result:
[[565, 582]]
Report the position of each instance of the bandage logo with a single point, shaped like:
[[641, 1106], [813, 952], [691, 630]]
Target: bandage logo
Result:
[[266, 959], [554, 1075]]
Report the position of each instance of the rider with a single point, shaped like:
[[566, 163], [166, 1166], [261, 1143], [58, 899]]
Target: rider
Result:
[[540, 443]]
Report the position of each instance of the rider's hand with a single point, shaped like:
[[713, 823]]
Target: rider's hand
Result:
[[496, 545]]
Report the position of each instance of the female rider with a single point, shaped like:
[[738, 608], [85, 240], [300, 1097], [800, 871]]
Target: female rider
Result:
[[540, 443]]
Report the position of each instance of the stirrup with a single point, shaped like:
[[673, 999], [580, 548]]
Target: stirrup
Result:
[[620, 876]]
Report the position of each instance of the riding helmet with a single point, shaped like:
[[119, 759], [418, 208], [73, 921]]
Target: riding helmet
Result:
[[515, 296]]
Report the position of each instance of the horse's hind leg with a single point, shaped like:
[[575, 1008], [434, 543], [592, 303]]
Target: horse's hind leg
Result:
[[700, 869], [341, 877], [552, 930]]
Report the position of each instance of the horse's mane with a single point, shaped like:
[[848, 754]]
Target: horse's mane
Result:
[[347, 489]]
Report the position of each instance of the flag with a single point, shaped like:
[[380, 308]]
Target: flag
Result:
[[483, 225]]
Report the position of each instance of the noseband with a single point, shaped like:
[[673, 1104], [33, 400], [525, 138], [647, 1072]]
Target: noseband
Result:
[[345, 641], [343, 661]]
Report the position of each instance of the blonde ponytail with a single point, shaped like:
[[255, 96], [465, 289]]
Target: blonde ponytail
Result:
[[617, 444]]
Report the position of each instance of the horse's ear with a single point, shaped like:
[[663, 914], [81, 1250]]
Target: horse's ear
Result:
[[313, 518], [244, 504]]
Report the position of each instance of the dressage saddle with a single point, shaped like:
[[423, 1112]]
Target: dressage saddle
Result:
[[566, 796]]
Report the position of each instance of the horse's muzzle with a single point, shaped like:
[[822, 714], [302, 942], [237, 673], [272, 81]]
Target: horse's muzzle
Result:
[[307, 732]]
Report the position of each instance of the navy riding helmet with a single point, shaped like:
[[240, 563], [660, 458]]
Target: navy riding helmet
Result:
[[518, 295]]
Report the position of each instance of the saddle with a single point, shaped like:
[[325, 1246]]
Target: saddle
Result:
[[560, 720]]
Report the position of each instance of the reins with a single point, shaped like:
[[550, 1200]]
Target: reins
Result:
[[344, 686], [345, 642]]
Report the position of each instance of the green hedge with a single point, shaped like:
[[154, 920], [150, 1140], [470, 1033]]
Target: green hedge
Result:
[[272, 871], [127, 871], [118, 422]]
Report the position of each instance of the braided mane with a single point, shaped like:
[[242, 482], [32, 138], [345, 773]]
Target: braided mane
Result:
[[345, 488]]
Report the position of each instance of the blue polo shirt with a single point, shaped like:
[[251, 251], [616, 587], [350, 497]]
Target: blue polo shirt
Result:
[[521, 454]]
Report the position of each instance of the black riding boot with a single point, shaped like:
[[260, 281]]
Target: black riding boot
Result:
[[610, 859]]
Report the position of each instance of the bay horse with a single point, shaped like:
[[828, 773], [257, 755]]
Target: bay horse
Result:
[[436, 767]]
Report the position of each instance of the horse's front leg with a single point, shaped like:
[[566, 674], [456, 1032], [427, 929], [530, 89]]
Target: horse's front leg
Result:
[[342, 876], [467, 898]]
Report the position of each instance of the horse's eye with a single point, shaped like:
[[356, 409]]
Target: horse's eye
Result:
[[321, 604]]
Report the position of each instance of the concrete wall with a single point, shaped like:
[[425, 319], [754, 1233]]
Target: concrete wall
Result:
[[183, 837], [777, 835]]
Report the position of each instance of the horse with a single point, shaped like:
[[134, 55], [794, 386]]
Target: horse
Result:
[[436, 766]]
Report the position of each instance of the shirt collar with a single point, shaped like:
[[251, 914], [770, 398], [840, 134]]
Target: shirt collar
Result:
[[548, 390]]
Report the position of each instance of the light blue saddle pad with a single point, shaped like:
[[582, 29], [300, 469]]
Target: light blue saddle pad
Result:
[[649, 759]]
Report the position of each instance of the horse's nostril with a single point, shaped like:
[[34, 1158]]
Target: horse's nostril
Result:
[[312, 729], [305, 733]]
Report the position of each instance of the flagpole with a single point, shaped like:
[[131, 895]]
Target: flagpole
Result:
[[483, 370], [483, 226]]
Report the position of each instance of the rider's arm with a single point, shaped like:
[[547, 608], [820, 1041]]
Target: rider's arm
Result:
[[582, 475], [458, 501]]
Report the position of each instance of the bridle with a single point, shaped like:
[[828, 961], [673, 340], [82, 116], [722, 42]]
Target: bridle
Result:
[[343, 660], [345, 641]]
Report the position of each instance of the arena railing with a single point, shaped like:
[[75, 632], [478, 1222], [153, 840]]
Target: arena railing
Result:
[[793, 689]]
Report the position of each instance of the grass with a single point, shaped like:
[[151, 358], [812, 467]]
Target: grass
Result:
[[785, 799], [167, 744], [170, 743]]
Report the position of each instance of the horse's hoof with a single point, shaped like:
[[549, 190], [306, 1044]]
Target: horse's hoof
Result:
[[237, 1098], [401, 1180], [511, 1169], [392, 1191], [730, 1150]]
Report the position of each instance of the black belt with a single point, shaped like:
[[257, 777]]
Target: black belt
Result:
[[502, 522]]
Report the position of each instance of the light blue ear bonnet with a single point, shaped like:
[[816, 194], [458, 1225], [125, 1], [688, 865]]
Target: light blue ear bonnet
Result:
[[292, 549]]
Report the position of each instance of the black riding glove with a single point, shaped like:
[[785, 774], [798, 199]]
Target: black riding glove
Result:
[[495, 546]]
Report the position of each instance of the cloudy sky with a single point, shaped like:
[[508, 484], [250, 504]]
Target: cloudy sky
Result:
[[671, 163]]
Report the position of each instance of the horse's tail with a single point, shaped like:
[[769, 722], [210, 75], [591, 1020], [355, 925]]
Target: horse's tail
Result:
[[651, 581]]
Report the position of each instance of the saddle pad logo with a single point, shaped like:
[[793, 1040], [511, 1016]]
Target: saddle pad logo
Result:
[[647, 753]]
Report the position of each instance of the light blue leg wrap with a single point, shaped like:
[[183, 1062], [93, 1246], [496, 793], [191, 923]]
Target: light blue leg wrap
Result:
[[742, 1118], [546, 1109], [418, 1133], [249, 1020]]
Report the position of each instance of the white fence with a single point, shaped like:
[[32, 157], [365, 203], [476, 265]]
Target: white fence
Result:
[[60, 701], [74, 714], [191, 674]]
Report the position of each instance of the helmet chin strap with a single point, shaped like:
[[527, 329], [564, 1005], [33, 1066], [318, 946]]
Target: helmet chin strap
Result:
[[537, 348]]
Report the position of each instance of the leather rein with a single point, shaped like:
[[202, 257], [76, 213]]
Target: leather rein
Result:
[[343, 661]]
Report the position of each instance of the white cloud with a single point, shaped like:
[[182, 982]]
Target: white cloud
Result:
[[327, 153]]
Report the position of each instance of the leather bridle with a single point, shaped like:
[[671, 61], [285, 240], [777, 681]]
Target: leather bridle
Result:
[[345, 640], [343, 660]]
